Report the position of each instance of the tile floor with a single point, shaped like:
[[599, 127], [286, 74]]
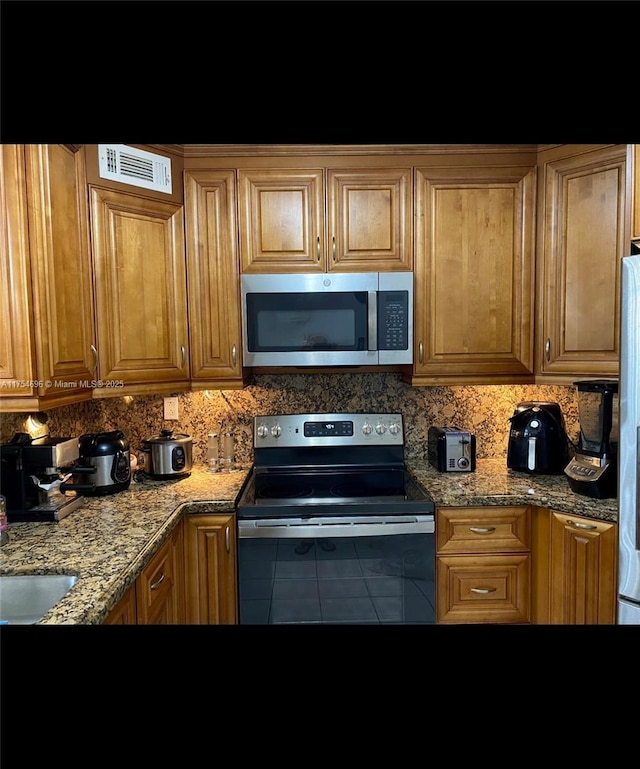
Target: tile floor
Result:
[[364, 580]]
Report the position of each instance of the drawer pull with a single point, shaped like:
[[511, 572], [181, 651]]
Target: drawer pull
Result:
[[483, 590], [156, 585], [318, 248], [478, 530], [577, 525], [227, 539]]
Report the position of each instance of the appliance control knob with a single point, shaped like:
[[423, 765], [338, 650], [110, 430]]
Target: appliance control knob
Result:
[[394, 428], [534, 423], [276, 431], [381, 429], [366, 428], [262, 431]]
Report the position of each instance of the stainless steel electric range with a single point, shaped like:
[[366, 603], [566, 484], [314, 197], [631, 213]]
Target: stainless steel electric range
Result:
[[332, 529]]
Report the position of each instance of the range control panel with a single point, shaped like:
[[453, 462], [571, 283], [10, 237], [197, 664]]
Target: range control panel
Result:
[[328, 430]]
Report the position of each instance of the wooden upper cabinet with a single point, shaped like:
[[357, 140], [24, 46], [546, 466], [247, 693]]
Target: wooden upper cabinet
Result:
[[359, 221], [634, 191], [474, 275], [282, 220], [583, 242], [46, 277], [213, 279], [369, 220], [141, 293]]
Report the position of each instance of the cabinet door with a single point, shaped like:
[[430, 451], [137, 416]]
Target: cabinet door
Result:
[[210, 569], [282, 220], [474, 275], [46, 207], [633, 158], [369, 219], [124, 612], [141, 293], [213, 279], [158, 588], [17, 358], [583, 243], [583, 575]]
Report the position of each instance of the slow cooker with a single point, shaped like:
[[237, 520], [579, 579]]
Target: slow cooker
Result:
[[108, 453], [168, 455]]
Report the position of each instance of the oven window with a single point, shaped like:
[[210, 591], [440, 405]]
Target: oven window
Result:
[[367, 580], [308, 321]]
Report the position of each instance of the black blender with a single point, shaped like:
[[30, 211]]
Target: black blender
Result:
[[594, 468]]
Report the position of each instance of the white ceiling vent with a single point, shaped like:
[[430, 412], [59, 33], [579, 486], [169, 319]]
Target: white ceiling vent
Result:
[[133, 166]]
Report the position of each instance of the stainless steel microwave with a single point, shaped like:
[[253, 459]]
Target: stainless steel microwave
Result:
[[327, 319]]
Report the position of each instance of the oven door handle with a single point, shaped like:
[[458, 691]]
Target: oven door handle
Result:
[[339, 526]]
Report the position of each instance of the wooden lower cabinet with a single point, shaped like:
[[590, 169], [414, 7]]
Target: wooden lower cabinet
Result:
[[575, 569], [210, 569], [124, 612], [483, 564], [157, 596]]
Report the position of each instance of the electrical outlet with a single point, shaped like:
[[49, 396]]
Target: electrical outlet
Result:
[[171, 408]]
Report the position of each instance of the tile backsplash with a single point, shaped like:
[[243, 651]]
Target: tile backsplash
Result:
[[483, 410]]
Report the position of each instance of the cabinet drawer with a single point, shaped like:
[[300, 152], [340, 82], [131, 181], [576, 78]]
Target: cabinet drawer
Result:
[[483, 588], [483, 529], [155, 584]]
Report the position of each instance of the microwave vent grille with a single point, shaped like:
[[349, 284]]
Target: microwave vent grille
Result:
[[138, 168]]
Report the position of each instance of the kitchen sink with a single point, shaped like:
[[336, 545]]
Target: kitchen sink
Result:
[[26, 598]]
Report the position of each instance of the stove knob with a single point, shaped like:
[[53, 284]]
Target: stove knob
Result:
[[366, 428], [276, 430], [262, 431], [381, 429], [394, 428]]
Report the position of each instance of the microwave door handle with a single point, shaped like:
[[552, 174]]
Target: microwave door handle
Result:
[[372, 320]]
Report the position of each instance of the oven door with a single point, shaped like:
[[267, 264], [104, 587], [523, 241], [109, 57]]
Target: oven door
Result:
[[362, 570]]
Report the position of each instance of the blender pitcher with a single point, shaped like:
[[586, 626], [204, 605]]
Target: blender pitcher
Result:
[[593, 469]]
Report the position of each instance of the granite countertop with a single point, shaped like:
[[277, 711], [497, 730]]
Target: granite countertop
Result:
[[492, 483], [109, 540]]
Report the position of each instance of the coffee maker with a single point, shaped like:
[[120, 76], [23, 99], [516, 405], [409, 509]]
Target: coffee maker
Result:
[[594, 468], [33, 477]]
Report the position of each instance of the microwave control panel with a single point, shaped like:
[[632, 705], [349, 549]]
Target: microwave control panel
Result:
[[393, 320]]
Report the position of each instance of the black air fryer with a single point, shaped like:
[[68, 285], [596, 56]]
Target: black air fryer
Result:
[[537, 439]]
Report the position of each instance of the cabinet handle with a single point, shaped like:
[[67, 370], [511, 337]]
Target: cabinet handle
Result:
[[577, 525], [227, 539], [156, 585], [483, 590], [420, 352], [184, 355], [234, 355], [478, 530], [333, 248], [318, 247], [547, 350], [95, 360]]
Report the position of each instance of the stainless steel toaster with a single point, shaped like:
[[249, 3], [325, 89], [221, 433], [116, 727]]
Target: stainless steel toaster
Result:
[[452, 449]]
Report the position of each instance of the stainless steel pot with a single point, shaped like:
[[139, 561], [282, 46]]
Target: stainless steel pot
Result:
[[168, 455]]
